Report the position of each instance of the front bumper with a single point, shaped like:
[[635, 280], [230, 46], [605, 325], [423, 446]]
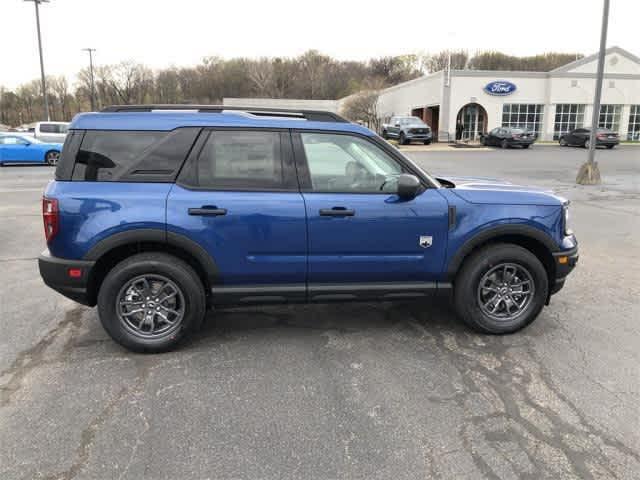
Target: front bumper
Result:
[[565, 262], [56, 274], [418, 136]]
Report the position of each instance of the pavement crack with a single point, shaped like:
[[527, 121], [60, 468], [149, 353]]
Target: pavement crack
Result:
[[33, 357]]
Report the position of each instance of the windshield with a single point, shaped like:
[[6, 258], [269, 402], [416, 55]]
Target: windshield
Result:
[[411, 121]]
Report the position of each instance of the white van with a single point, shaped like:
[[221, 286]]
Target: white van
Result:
[[54, 132]]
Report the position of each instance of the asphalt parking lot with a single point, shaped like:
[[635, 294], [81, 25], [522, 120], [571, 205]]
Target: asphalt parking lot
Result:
[[361, 391]]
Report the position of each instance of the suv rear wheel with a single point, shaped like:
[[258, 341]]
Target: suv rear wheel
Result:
[[151, 301], [500, 289]]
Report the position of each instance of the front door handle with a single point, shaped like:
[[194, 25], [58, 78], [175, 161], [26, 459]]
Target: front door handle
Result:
[[208, 210], [337, 212]]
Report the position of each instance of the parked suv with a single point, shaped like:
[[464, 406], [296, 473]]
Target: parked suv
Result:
[[407, 129], [49, 131], [158, 213]]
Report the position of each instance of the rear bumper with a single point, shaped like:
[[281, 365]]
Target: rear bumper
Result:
[[565, 262], [607, 141], [55, 274], [523, 141]]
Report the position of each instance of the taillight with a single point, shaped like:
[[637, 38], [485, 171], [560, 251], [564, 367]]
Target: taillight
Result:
[[601, 135], [50, 216]]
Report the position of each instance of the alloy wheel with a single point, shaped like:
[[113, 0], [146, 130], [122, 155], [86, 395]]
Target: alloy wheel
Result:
[[505, 291], [52, 158], [150, 306]]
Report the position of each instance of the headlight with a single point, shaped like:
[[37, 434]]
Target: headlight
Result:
[[565, 214]]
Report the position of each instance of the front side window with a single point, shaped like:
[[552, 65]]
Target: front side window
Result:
[[348, 164], [240, 160]]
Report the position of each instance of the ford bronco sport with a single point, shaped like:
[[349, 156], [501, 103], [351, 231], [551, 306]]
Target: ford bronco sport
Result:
[[159, 212]]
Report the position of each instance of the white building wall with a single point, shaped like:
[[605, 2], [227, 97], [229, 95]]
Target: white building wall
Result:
[[470, 89], [402, 98]]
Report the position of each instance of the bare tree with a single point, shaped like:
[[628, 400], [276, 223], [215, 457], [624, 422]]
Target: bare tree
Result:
[[362, 107]]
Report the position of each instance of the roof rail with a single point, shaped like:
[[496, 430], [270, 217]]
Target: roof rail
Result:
[[311, 115]]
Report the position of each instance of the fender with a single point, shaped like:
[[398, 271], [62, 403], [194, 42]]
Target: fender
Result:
[[157, 236], [495, 232]]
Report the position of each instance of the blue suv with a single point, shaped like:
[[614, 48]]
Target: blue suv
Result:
[[160, 212]]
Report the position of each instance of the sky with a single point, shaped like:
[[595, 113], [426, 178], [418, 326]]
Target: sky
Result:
[[161, 33]]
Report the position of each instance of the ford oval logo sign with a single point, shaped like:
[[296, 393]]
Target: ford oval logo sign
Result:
[[500, 87]]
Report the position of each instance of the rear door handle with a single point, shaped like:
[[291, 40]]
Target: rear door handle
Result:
[[210, 211], [337, 212]]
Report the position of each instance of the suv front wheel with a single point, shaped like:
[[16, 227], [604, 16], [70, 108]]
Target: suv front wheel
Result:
[[500, 289], [151, 301]]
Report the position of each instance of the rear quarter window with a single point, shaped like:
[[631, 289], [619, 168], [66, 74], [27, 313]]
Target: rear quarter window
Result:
[[132, 156]]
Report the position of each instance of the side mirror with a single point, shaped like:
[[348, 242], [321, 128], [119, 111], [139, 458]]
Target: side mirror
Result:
[[408, 186]]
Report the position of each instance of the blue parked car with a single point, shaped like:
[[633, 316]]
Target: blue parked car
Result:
[[160, 212], [15, 148]]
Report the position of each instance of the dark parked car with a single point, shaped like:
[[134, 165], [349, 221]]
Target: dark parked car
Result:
[[580, 137], [407, 130], [506, 137], [156, 217]]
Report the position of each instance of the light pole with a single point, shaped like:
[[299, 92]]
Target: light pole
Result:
[[44, 85], [93, 88], [589, 173]]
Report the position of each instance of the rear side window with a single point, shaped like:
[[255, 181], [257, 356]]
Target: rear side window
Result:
[[240, 160], [53, 128], [132, 156]]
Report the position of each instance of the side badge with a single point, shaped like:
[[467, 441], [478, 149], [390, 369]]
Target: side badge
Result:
[[425, 241]]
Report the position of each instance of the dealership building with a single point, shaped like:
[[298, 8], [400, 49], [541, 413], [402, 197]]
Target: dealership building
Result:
[[548, 103]]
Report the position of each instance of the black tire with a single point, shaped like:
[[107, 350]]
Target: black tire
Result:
[[51, 157], [427, 142], [155, 264], [610, 146], [467, 286], [483, 141], [526, 146], [401, 139], [504, 144], [587, 143], [384, 135], [563, 142]]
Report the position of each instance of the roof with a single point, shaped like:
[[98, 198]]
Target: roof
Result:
[[169, 120], [591, 58]]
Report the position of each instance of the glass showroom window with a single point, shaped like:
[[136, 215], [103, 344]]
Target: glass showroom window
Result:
[[568, 117], [610, 117], [524, 115], [634, 123]]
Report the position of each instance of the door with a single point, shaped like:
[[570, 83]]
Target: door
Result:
[[360, 233], [17, 149], [394, 127], [237, 197]]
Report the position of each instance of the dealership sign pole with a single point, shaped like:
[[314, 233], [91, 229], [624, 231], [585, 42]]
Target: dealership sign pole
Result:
[[589, 174]]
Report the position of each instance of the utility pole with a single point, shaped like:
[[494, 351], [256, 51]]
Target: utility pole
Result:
[[93, 88], [44, 85], [589, 173]]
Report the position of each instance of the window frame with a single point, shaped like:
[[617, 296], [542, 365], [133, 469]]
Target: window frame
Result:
[[304, 175], [186, 180]]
